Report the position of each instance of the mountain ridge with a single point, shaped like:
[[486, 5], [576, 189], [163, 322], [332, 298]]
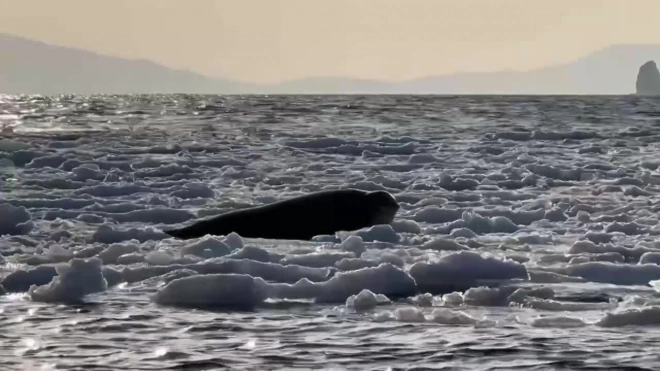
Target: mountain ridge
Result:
[[35, 67]]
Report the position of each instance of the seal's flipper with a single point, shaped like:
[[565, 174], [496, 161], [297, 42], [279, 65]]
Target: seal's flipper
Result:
[[173, 233], [182, 233]]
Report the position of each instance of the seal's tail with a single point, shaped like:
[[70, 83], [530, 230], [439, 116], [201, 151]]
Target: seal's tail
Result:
[[192, 231], [176, 233]]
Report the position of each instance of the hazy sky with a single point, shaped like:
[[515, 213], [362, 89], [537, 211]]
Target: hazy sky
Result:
[[273, 40]]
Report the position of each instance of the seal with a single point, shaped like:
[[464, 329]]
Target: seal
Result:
[[300, 218]]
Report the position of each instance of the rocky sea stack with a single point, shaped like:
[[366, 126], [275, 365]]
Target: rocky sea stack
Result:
[[648, 79]]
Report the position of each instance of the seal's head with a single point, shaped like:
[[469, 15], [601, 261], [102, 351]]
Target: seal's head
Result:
[[384, 206]]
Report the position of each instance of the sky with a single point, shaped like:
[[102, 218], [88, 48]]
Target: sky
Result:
[[268, 41]]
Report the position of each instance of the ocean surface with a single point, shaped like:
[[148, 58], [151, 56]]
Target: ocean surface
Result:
[[527, 237]]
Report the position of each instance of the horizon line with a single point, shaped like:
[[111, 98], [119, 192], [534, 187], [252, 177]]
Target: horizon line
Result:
[[445, 95]]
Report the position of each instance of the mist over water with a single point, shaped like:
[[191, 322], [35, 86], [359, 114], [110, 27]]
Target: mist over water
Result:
[[531, 222]]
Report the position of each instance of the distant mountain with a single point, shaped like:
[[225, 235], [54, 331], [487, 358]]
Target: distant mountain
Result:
[[611, 70], [330, 85], [28, 66]]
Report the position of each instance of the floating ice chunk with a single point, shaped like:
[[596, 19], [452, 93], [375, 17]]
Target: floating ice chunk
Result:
[[650, 258], [436, 215], [483, 225], [354, 244], [267, 271], [166, 257], [87, 171], [423, 300], [409, 314], [112, 277], [383, 233], [462, 232], [213, 290], [132, 258], [558, 322], [551, 277], [74, 281], [114, 251], [7, 145], [554, 305], [164, 279], [107, 234], [453, 299], [443, 244], [22, 280], [317, 143], [617, 274], [234, 241], [631, 317], [465, 269], [385, 279], [207, 247], [447, 316], [14, 220], [366, 300], [316, 260], [655, 284], [423, 158], [57, 252], [406, 226], [251, 253], [352, 264]]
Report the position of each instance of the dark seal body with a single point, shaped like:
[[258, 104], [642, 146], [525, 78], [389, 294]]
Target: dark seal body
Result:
[[300, 218]]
